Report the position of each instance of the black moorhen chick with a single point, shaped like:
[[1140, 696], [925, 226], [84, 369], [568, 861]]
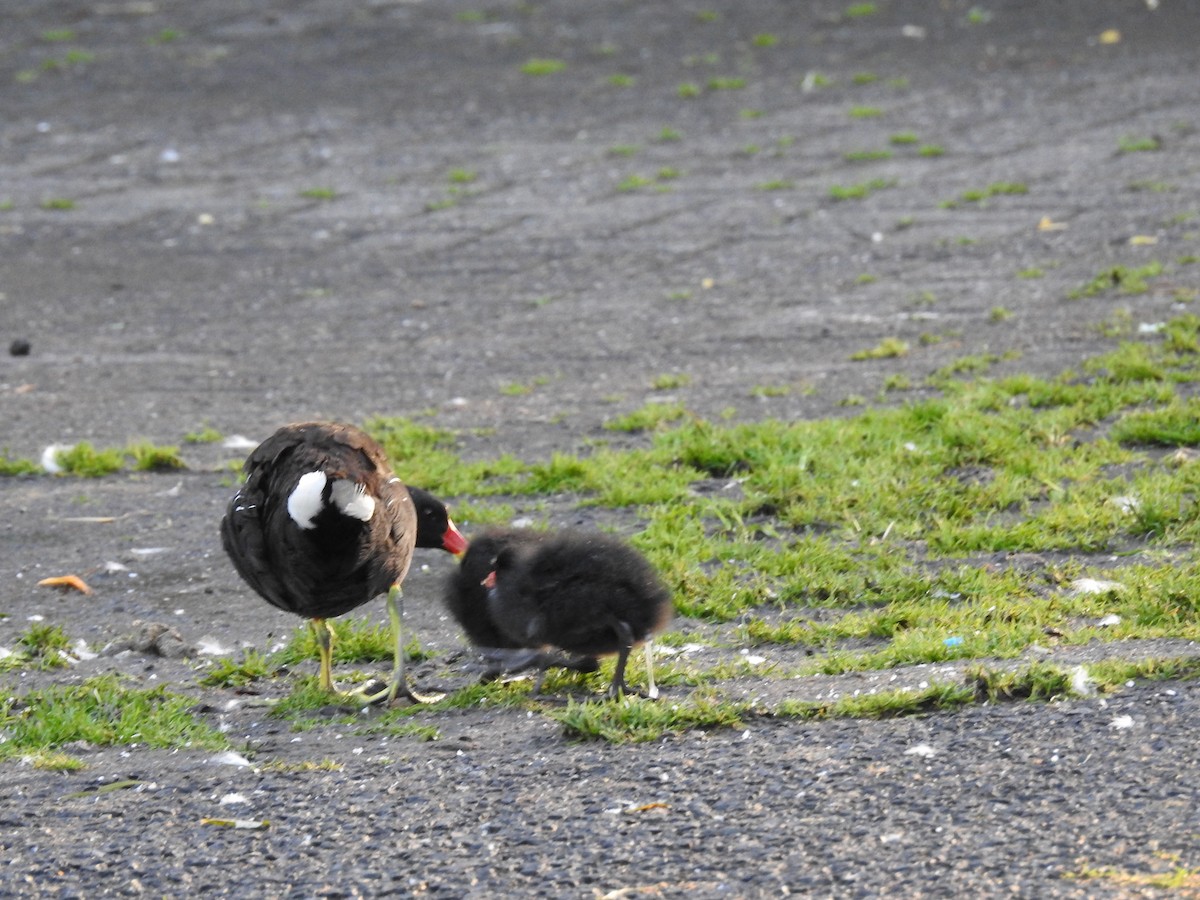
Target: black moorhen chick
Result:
[[584, 592], [322, 525], [465, 598]]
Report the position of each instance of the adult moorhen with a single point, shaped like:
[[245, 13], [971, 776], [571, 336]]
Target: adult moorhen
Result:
[[322, 525], [584, 592]]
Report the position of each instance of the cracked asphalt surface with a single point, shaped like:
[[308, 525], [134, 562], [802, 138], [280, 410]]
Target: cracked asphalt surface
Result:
[[240, 214]]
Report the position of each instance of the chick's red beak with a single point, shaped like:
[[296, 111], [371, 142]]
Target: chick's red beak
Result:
[[453, 541]]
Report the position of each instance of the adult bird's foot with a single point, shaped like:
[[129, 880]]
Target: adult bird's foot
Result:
[[413, 697], [379, 691]]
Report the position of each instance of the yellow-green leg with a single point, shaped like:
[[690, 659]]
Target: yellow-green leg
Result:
[[323, 632], [398, 684]]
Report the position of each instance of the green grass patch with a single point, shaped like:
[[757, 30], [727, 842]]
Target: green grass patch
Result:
[[307, 707], [43, 646], [633, 183], [1123, 279], [635, 720], [1176, 881], [1135, 144], [763, 391], [236, 673], [866, 155], [11, 466], [888, 348], [861, 10], [165, 36], [540, 67], [980, 195], [149, 457], [521, 388], [898, 521], [671, 381], [1113, 674], [650, 417], [205, 434], [88, 462], [1174, 425], [938, 697], [103, 712], [73, 57], [427, 457], [1038, 682], [860, 191]]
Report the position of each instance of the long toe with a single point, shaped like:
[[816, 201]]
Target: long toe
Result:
[[370, 691], [414, 697], [394, 690]]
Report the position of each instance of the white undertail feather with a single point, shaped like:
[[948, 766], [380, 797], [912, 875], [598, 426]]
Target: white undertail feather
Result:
[[306, 501], [352, 500]]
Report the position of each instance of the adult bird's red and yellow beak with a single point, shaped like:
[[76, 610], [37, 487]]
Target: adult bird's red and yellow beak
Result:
[[453, 540]]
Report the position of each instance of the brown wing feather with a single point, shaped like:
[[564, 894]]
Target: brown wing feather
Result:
[[341, 563]]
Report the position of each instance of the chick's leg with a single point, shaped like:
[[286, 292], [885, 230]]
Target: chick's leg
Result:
[[625, 635]]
